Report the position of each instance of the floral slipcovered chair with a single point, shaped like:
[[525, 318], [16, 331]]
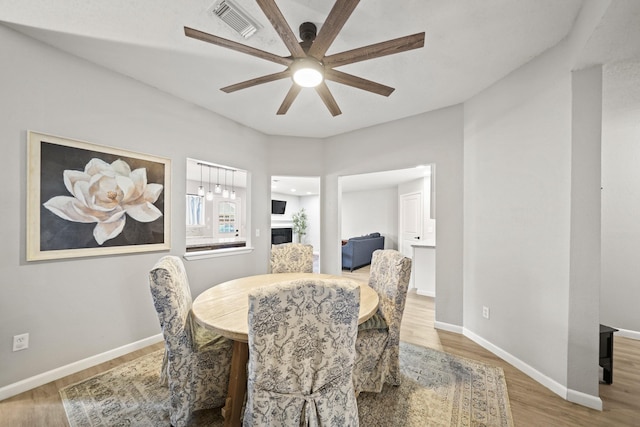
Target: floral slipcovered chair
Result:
[[302, 336], [197, 361], [378, 344], [292, 258]]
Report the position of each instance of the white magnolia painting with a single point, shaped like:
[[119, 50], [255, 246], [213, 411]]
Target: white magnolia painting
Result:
[[87, 200]]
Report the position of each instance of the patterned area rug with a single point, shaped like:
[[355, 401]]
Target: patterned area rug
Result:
[[438, 389]]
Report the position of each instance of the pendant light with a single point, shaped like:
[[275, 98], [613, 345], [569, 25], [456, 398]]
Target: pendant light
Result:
[[218, 189], [225, 192], [209, 193], [200, 188], [233, 185]]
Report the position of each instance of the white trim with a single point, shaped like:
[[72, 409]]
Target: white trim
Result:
[[549, 383], [426, 293], [584, 399], [57, 373], [626, 333], [448, 327], [587, 400]]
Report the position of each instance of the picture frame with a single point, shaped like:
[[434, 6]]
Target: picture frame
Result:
[[85, 199]]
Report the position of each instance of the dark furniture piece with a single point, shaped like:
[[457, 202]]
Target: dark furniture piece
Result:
[[357, 251], [606, 352], [281, 235]]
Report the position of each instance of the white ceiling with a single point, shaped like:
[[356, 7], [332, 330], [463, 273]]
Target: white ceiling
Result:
[[211, 174], [469, 45], [295, 185], [306, 186]]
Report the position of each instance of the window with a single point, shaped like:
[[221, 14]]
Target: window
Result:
[[195, 210], [216, 206], [226, 217]]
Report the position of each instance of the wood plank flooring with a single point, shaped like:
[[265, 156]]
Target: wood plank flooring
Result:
[[531, 403]]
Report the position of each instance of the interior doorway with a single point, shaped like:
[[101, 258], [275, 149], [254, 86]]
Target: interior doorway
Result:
[[411, 222], [400, 205], [291, 197]]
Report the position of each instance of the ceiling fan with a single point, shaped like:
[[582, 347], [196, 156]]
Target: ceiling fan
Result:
[[308, 56]]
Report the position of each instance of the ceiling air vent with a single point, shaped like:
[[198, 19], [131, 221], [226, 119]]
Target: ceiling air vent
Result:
[[235, 17]]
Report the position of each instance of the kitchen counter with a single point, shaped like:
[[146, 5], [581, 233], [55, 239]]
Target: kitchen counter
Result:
[[424, 268], [206, 244]]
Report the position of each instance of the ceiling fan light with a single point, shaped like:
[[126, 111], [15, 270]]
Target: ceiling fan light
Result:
[[307, 73], [307, 77]]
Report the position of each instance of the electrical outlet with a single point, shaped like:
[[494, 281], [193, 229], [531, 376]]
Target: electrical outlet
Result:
[[257, 232], [485, 312], [20, 342]]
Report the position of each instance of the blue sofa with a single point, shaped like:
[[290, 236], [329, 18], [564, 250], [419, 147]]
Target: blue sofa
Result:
[[357, 251]]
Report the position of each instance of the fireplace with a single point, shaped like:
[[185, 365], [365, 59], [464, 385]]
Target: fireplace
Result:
[[281, 235]]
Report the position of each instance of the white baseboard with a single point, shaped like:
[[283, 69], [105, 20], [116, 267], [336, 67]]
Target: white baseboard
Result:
[[57, 373], [549, 383], [426, 293], [448, 327], [634, 335], [584, 399], [574, 396]]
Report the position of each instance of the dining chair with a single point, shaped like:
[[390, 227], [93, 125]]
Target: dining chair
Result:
[[378, 344], [292, 258], [197, 361], [302, 337]]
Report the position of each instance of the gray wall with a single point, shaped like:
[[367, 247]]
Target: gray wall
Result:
[[620, 291], [370, 211], [311, 205], [532, 218], [509, 148], [435, 137], [74, 309], [517, 190]]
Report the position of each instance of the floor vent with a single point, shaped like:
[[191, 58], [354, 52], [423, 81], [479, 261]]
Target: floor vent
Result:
[[235, 17]]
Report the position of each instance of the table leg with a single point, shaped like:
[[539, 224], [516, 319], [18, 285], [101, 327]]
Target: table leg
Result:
[[232, 411]]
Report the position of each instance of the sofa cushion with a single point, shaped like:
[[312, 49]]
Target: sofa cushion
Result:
[[376, 322], [374, 235], [358, 250]]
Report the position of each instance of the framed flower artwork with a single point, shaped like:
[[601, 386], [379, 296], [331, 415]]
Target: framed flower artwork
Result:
[[87, 200]]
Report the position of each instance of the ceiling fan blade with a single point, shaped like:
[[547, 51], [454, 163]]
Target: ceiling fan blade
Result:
[[219, 41], [327, 98], [339, 14], [281, 26], [377, 50], [358, 82], [288, 100], [257, 81]]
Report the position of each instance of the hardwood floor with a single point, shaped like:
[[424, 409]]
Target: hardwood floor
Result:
[[531, 403], [42, 406]]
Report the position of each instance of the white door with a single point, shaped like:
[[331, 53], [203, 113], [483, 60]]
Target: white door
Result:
[[410, 222]]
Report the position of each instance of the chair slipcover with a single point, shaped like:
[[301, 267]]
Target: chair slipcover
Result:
[[301, 350], [378, 344], [197, 360], [292, 258]]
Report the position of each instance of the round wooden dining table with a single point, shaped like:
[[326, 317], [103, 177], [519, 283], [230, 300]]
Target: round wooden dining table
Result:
[[224, 309]]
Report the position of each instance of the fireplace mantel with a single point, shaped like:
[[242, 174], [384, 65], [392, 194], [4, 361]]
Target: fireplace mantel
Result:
[[281, 222]]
